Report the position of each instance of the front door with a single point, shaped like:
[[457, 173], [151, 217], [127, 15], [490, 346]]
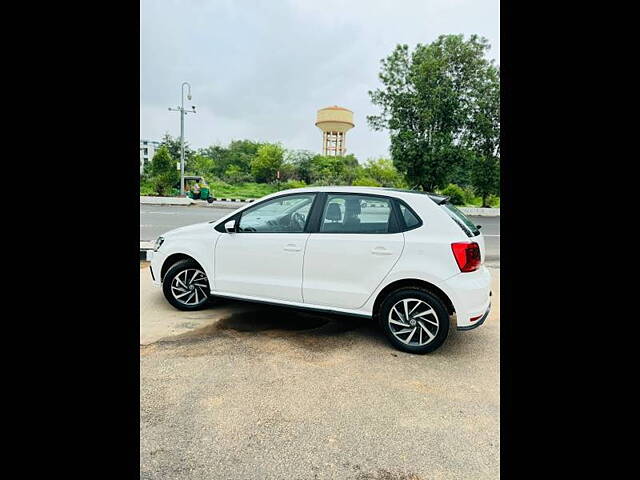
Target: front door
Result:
[[264, 257], [354, 249]]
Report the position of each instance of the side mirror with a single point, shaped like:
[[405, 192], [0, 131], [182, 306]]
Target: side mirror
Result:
[[230, 226]]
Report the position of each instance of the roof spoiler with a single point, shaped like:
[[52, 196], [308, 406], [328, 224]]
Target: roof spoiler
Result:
[[439, 199]]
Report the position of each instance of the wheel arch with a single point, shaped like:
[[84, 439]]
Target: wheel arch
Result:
[[172, 260], [412, 283]]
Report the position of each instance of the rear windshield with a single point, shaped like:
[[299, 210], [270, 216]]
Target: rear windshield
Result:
[[465, 224]]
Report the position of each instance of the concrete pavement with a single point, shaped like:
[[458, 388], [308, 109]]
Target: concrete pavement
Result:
[[243, 391]]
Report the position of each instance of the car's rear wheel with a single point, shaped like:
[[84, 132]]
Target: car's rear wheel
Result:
[[414, 320], [185, 286]]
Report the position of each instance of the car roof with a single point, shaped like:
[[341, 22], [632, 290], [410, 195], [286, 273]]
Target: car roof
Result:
[[393, 192]]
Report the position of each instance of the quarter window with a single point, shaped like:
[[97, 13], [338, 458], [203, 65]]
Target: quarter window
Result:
[[281, 215], [410, 220], [356, 214]]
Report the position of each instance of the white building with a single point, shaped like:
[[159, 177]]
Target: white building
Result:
[[147, 151]]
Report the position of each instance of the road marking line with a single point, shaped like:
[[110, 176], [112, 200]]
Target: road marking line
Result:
[[490, 235]]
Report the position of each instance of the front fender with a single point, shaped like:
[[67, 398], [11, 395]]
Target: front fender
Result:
[[203, 254]]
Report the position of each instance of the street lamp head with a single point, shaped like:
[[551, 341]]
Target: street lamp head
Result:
[[189, 97]]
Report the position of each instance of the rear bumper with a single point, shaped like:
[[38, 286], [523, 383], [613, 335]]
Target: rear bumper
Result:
[[470, 294], [477, 323]]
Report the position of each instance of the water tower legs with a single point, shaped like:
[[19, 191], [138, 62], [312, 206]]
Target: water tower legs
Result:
[[333, 143]]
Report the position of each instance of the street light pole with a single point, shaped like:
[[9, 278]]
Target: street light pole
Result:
[[183, 112]]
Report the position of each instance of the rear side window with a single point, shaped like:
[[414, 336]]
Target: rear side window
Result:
[[463, 222], [410, 220], [357, 214]]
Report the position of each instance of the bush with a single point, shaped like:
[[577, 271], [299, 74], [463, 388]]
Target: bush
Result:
[[234, 175], [366, 182], [292, 184], [469, 196], [147, 188], [455, 193]]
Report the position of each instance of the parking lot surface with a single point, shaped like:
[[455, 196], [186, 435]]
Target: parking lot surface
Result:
[[244, 391]]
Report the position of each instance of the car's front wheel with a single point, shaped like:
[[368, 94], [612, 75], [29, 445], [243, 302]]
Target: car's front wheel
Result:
[[414, 320], [185, 286]]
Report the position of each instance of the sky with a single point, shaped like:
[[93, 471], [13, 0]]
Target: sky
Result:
[[260, 70]]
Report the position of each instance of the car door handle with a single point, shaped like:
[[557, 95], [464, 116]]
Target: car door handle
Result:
[[381, 251], [292, 248]]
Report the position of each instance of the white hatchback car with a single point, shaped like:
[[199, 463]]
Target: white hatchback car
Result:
[[408, 259]]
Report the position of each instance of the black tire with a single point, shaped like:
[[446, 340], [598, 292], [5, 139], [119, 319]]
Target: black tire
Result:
[[186, 268], [440, 316], [209, 199]]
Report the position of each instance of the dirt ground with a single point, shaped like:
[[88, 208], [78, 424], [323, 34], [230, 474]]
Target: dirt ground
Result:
[[244, 391]]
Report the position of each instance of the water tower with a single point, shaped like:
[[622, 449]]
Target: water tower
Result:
[[334, 123]]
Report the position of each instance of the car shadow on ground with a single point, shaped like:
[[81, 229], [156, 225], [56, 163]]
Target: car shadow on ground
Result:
[[274, 321], [315, 332]]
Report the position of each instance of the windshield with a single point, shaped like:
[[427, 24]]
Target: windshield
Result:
[[467, 225]]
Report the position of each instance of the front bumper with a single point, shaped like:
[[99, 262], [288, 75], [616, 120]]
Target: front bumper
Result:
[[157, 259]]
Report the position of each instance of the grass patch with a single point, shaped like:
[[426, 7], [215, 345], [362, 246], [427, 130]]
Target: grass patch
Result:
[[242, 190]]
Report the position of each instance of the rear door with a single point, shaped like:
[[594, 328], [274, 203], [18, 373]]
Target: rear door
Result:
[[356, 244]]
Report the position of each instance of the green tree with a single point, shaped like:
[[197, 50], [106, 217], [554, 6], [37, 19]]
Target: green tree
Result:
[[239, 153], [330, 170], [242, 153], [201, 165], [218, 156], [302, 162], [162, 171], [173, 147], [428, 100], [383, 172], [267, 162], [235, 175], [485, 176], [483, 137]]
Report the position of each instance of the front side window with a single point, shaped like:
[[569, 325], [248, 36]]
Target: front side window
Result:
[[281, 215], [356, 214]]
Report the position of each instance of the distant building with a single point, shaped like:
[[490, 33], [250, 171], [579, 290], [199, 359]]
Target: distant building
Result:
[[334, 122], [147, 151]]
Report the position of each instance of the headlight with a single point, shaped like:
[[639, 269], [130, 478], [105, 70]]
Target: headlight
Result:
[[159, 242]]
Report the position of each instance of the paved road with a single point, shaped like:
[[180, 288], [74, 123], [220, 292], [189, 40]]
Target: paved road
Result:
[[156, 220], [242, 391]]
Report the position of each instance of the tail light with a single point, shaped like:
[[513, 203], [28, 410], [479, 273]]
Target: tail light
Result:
[[467, 255]]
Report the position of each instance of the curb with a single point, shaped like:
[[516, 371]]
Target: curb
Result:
[[480, 212], [233, 199], [185, 201], [166, 200], [224, 202], [145, 247]]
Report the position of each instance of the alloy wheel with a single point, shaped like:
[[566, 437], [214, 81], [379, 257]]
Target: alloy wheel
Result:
[[190, 286], [414, 322]]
